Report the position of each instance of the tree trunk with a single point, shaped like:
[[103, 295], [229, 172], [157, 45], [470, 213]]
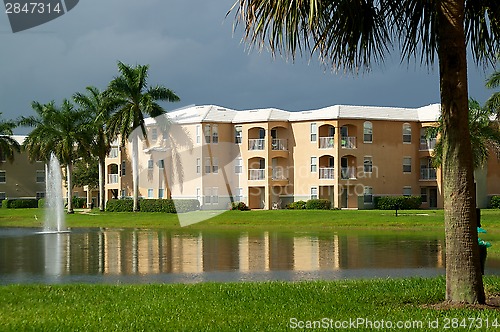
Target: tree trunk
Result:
[[135, 169], [463, 275], [69, 171], [102, 181]]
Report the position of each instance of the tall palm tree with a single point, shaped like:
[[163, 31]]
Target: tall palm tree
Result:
[[64, 131], [352, 35], [99, 106], [8, 145], [135, 99], [494, 101]]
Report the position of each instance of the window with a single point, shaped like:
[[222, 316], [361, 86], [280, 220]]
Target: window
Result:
[[215, 165], [407, 133], [161, 192], [198, 194], [367, 164], [314, 192], [76, 194], [207, 133], [3, 177], [215, 134], [423, 194], [207, 166], [207, 197], [239, 195], [407, 165], [238, 166], [407, 191], [123, 168], [150, 164], [150, 193], [198, 134], [238, 134], [215, 195], [40, 176], [314, 132], [3, 196], [314, 165], [198, 165], [368, 195], [39, 195], [161, 164], [124, 193], [154, 134], [367, 132]]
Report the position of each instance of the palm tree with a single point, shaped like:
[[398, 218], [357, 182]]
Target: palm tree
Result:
[[352, 35], [135, 99], [63, 131], [484, 135], [8, 145], [493, 102], [99, 106]]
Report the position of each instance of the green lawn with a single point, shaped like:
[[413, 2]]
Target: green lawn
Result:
[[269, 306]]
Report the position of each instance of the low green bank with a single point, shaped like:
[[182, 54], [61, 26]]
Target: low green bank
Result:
[[270, 306]]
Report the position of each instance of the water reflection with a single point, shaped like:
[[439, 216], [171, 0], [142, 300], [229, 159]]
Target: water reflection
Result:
[[29, 257]]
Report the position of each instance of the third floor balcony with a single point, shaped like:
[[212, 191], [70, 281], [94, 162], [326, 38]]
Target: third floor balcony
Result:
[[256, 143]]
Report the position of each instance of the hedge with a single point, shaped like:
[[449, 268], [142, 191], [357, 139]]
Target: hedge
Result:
[[495, 202], [27, 203], [154, 205], [241, 206], [397, 202], [298, 205], [318, 204]]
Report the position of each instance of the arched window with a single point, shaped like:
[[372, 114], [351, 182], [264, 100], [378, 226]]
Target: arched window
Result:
[[367, 132], [406, 133]]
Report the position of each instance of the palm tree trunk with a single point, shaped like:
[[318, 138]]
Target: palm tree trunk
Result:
[[135, 170], [463, 274], [102, 181], [69, 172]]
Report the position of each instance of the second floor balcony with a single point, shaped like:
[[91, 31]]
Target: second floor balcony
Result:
[[348, 173], [279, 144], [327, 173], [256, 174], [112, 178], [256, 144], [348, 142], [428, 173], [427, 144], [326, 142]]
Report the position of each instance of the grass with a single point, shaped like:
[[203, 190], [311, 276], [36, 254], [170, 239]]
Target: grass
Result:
[[270, 306]]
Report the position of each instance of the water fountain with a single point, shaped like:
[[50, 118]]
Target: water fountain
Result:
[[54, 208]]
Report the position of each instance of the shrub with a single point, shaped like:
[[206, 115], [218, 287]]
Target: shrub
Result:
[[79, 202], [241, 206], [41, 203], [397, 202], [318, 204], [120, 205], [20, 203], [495, 202], [157, 205], [298, 205]]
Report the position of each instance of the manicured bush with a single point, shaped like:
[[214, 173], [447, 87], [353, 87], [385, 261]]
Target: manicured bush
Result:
[[79, 202], [298, 205], [397, 202], [241, 206], [495, 202], [120, 205], [41, 203], [157, 205], [20, 203], [318, 204]]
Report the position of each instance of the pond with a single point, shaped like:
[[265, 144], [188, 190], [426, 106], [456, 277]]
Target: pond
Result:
[[130, 256]]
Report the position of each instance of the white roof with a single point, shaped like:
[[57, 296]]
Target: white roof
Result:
[[213, 113]]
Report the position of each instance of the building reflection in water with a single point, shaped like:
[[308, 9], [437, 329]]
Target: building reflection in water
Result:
[[147, 252]]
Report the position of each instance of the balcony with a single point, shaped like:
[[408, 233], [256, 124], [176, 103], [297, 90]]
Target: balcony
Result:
[[348, 142], [256, 144], [427, 144], [326, 142], [256, 174], [113, 153], [279, 174], [112, 178], [428, 173], [279, 144], [327, 173], [348, 173]]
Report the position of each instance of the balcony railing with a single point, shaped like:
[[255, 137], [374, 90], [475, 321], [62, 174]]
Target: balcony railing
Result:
[[256, 144], [348, 173], [279, 174], [348, 142], [256, 174], [327, 173], [326, 142], [112, 178], [427, 144], [279, 144], [428, 173], [113, 153]]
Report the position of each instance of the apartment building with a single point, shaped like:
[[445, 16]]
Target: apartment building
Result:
[[268, 158]]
